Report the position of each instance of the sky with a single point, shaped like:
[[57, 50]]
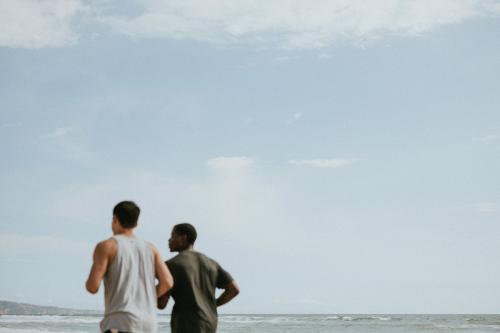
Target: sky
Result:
[[335, 156]]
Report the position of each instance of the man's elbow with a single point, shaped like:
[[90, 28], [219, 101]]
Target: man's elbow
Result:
[[234, 289], [91, 288]]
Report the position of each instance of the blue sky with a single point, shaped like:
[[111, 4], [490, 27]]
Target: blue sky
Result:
[[335, 156]]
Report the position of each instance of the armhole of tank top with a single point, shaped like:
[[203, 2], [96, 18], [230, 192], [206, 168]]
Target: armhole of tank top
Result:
[[113, 260], [149, 249]]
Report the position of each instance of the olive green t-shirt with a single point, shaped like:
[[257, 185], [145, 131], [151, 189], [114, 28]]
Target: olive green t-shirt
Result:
[[196, 277]]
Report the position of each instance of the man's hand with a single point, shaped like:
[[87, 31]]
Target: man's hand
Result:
[[230, 292], [104, 254], [163, 300]]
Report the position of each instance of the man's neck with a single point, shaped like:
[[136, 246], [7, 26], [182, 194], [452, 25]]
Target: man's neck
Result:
[[125, 232], [189, 248]]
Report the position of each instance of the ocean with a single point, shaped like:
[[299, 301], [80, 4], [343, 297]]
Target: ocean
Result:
[[279, 323]]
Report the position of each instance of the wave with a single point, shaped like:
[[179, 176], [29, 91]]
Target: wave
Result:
[[29, 330], [274, 323], [244, 319], [12, 319]]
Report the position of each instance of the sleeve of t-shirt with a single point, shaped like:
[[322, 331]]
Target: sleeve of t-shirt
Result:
[[223, 278]]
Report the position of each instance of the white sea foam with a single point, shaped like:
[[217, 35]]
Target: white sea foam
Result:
[[382, 318], [49, 319], [276, 323], [42, 329], [22, 330], [297, 318]]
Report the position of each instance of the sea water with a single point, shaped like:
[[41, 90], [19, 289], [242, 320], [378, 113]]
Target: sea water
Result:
[[279, 323]]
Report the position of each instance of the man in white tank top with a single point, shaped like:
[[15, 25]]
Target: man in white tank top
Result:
[[129, 267]]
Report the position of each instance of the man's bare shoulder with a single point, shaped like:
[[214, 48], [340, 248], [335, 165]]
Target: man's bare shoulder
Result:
[[107, 246], [153, 248]]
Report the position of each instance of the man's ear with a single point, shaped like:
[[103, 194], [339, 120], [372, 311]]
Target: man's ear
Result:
[[185, 239]]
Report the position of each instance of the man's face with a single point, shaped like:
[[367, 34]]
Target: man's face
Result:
[[177, 242]]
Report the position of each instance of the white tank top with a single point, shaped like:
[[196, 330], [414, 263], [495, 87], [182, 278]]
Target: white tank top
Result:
[[130, 288]]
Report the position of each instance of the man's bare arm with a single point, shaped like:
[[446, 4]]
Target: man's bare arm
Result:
[[230, 292], [165, 279], [163, 300], [104, 251]]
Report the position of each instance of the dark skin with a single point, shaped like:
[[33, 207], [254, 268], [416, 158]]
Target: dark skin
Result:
[[179, 243]]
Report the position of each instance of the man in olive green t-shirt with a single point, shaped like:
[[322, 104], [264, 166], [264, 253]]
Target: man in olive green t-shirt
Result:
[[196, 277]]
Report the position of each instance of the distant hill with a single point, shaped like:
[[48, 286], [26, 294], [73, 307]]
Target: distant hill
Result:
[[13, 308]]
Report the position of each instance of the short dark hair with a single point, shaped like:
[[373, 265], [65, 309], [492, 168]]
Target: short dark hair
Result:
[[127, 213], [188, 230]]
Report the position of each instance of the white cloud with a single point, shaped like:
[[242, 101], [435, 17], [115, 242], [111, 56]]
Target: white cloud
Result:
[[11, 125], [231, 200], [241, 203], [62, 131], [487, 138], [230, 164], [486, 207], [14, 246], [284, 58], [295, 117], [286, 23], [248, 121], [38, 23], [295, 23], [324, 163], [70, 143]]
